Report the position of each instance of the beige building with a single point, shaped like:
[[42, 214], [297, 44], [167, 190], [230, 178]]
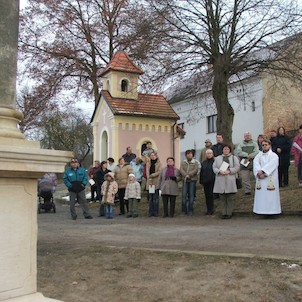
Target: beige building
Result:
[[282, 103]]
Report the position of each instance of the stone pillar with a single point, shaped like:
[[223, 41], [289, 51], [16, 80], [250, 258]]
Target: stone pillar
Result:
[[21, 163], [9, 19], [9, 16]]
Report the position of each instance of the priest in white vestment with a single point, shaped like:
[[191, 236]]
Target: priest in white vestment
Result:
[[267, 197]]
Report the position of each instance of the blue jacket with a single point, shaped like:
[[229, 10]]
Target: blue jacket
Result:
[[75, 180], [137, 170]]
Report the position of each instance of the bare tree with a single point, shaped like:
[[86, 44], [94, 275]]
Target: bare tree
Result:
[[67, 130], [34, 103], [65, 44], [231, 37]]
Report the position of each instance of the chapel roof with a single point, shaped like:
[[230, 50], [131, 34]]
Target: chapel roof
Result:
[[147, 105], [121, 62]]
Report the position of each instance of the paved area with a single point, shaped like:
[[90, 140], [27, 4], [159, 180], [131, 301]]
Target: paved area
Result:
[[240, 236]]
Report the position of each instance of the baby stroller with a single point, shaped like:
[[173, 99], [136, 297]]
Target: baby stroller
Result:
[[45, 196]]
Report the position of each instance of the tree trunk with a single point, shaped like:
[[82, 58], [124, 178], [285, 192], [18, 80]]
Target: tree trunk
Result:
[[96, 90], [225, 112]]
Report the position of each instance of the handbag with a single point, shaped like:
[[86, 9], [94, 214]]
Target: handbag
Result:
[[238, 179], [238, 182]]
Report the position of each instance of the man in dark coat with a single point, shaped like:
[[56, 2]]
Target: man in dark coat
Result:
[[281, 145], [129, 156], [217, 148]]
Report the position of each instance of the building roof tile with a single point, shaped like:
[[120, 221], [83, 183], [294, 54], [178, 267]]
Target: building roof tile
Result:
[[147, 105], [121, 62]]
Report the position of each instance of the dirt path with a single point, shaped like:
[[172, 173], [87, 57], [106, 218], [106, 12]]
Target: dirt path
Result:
[[279, 238], [184, 259]]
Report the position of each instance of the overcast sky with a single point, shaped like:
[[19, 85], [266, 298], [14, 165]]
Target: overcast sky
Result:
[[22, 3]]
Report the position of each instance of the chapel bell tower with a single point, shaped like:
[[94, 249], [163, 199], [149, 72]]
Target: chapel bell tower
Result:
[[121, 76]]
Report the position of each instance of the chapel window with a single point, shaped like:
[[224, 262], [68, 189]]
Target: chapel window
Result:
[[124, 85]]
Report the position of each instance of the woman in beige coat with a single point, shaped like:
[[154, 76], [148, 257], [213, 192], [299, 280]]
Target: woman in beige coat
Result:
[[226, 167], [121, 172], [153, 167]]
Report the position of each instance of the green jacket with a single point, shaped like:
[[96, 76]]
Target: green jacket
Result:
[[247, 148]]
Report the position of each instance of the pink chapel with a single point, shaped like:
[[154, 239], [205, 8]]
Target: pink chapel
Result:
[[124, 117]]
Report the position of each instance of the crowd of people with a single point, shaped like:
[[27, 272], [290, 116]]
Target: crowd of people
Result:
[[218, 170]]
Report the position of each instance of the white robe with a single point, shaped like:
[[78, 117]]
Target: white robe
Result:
[[267, 201]]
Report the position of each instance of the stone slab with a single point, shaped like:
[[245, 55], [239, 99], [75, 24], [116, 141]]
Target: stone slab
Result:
[[37, 297]]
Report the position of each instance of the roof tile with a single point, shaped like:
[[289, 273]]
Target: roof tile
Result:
[[121, 62], [148, 105]]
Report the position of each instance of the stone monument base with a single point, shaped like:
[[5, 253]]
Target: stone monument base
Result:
[[20, 167], [37, 297]]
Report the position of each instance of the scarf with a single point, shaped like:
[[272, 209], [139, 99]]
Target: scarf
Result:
[[152, 167], [226, 159], [170, 171]]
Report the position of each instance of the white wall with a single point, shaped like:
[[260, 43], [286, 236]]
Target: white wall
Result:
[[241, 98], [193, 113]]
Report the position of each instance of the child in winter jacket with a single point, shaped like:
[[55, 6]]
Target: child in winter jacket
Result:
[[109, 189], [133, 195]]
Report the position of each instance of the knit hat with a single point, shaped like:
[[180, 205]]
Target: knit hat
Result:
[[131, 175], [111, 174]]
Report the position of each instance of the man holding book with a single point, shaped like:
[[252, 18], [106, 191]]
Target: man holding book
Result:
[[246, 151]]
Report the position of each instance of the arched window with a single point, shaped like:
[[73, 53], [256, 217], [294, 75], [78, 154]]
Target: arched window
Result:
[[143, 147], [253, 106], [124, 85], [104, 145]]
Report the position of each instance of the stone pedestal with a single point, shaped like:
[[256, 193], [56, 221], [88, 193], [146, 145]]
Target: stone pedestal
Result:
[[37, 297], [21, 163]]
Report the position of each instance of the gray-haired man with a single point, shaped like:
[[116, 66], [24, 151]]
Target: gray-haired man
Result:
[[246, 151]]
